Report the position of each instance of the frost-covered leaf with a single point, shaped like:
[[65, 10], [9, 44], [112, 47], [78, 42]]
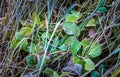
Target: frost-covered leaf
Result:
[[55, 74], [55, 43], [101, 10], [69, 40], [63, 47], [85, 43], [31, 48], [39, 47], [89, 65], [45, 35], [30, 60], [71, 29], [101, 68], [91, 22], [77, 60], [18, 36], [24, 44], [49, 71], [36, 19], [26, 31], [95, 74], [14, 42], [75, 47], [95, 50], [73, 17]]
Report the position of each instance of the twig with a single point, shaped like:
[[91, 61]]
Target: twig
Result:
[[48, 45]]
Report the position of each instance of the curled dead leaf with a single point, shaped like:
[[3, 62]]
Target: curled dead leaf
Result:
[[73, 68], [91, 33]]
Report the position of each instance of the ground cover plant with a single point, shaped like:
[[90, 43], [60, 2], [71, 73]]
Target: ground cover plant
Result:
[[59, 38]]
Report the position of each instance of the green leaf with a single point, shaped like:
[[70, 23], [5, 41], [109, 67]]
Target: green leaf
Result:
[[49, 71], [91, 22], [77, 60], [31, 48], [69, 40], [47, 58], [26, 31], [24, 44], [101, 10], [39, 47], [89, 65], [73, 17], [55, 43], [36, 19], [85, 43], [18, 36], [30, 60], [95, 50], [102, 68], [71, 29], [95, 74], [45, 35], [63, 47], [14, 42], [55, 74], [62, 40], [75, 47]]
